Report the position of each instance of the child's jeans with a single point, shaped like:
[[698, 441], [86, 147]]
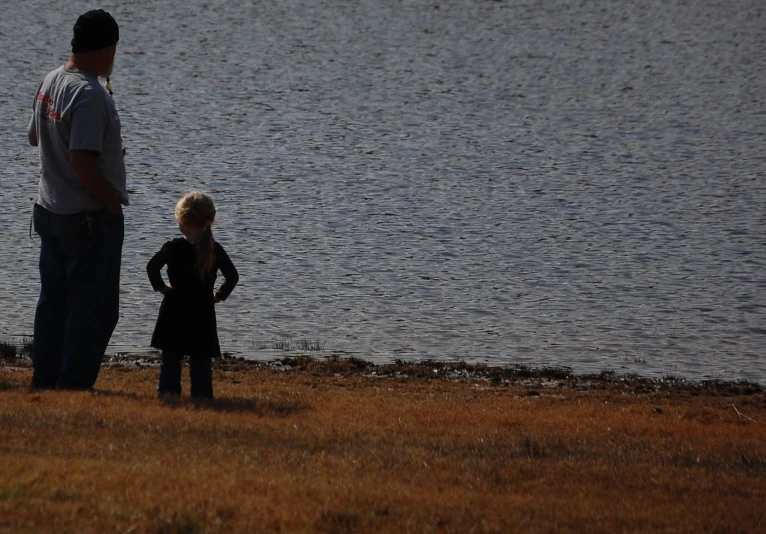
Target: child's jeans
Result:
[[200, 372]]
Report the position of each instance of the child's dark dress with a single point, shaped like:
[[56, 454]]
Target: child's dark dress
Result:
[[186, 323]]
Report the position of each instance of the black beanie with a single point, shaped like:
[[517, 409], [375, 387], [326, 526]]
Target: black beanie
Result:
[[94, 30]]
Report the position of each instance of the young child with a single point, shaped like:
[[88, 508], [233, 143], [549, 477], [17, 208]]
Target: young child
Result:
[[186, 324]]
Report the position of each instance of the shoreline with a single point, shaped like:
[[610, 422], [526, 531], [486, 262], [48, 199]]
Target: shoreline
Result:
[[545, 377], [19, 348], [510, 375]]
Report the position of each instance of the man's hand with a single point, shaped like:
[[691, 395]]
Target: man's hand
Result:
[[114, 208], [166, 289], [88, 170]]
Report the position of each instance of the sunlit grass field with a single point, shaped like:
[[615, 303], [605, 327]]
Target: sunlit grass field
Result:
[[341, 447]]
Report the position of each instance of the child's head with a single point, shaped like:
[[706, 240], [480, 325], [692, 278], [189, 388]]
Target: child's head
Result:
[[195, 213], [195, 210]]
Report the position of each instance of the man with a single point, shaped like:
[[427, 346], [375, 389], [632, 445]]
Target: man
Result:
[[78, 213]]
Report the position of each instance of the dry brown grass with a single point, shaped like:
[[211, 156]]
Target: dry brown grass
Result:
[[317, 450]]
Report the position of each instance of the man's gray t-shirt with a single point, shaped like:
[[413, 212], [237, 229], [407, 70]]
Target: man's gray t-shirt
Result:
[[72, 111]]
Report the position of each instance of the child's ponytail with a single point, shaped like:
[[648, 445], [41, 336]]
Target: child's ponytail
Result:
[[205, 253], [197, 209]]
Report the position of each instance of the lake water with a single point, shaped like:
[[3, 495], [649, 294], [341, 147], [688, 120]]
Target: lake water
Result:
[[574, 183]]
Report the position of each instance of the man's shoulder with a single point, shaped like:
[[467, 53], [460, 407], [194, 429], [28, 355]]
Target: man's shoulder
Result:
[[54, 73], [79, 85], [61, 76]]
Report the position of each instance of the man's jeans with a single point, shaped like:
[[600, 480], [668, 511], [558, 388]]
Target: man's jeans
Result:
[[79, 299]]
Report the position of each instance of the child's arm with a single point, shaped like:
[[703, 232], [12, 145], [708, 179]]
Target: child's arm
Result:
[[154, 267], [229, 273]]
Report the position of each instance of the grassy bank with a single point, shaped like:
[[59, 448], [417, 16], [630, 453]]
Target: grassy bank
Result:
[[344, 446]]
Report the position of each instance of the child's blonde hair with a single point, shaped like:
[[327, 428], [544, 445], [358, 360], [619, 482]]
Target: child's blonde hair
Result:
[[197, 209]]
